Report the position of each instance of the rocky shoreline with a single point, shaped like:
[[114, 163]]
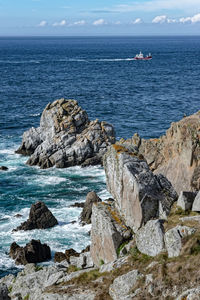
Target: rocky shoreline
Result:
[[145, 241]]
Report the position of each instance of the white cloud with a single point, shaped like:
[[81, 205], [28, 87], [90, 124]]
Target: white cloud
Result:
[[42, 24], [99, 22], [61, 23], [160, 19], [194, 19], [79, 23], [137, 21]]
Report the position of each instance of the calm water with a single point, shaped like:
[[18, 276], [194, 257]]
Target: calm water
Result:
[[143, 97]]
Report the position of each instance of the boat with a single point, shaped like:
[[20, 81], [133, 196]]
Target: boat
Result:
[[140, 56]]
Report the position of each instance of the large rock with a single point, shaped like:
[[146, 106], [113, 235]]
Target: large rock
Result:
[[191, 294], [33, 252], [123, 285], [150, 238], [66, 137], [196, 203], [185, 200], [87, 209], [107, 233], [40, 217], [176, 154], [140, 195], [173, 239]]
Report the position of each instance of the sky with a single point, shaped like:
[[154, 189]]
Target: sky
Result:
[[105, 17]]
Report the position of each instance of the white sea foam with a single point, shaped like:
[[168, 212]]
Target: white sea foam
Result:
[[48, 180], [35, 115]]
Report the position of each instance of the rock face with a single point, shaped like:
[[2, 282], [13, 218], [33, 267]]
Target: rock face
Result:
[[176, 154], [140, 195], [66, 137], [87, 209], [4, 292], [173, 239], [33, 252], [196, 203], [40, 217], [150, 238], [185, 200], [107, 233]]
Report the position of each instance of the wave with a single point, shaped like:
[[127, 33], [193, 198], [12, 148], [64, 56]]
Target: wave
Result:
[[48, 180]]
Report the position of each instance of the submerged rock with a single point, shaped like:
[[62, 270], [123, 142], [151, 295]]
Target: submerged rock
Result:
[[66, 137], [87, 209], [40, 217], [3, 168], [176, 154], [140, 195], [33, 252]]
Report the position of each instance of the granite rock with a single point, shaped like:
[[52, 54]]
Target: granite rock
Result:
[[173, 239], [139, 194], [150, 238], [87, 209], [186, 199], [66, 137], [4, 292], [196, 203], [40, 217]]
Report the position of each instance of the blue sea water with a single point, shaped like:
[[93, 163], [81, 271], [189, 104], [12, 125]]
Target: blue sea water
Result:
[[134, 96]]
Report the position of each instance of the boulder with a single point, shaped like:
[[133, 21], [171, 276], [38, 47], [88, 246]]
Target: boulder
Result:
[[173, 239], [3, 168], [33, 252], [82, 261], [196, 203], [191, 294], [59, 256], [87, 209], [150, 238], [66, 137], [70, 252], [4, 292], [107, 233], [185, 200], [139, 194], [176, 155], [123, 285], [40, 217]]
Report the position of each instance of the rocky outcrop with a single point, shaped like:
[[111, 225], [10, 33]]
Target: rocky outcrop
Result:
[[40, 217], [66, 137], [87, 209], [83, 261], [176, 154], [139, 194], [107, 233], [150, 238], [196, 203], [123, 285], [185, 200], [4, 292], [3, 168], [173, 239], [33, 252]]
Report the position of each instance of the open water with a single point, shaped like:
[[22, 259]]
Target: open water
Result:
[[134, 96]]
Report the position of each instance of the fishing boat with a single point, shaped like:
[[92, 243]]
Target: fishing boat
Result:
[[140, 56]]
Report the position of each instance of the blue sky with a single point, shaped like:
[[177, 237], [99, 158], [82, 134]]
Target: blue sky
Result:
[[87, 17]]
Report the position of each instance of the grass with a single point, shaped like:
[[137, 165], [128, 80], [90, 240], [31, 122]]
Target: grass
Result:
[[121, 247], [72, 269], [26, 297], [38, 268]]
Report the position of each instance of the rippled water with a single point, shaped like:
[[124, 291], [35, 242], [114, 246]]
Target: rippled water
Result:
[[135, 96]]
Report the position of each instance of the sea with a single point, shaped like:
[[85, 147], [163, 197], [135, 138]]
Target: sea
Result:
[[100, 73]]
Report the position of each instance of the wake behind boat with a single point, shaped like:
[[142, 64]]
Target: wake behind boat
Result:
[[140, 56]]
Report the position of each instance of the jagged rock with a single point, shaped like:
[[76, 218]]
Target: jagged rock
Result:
[[4, 292], [83, 261], [176, 154], [87, 209], [66, 137], [173, 239], [70, 252], [40, 217], [150, 238], [196, 203], [3, 168], [59, 256], [33, 252], [107, 233], [118, 263], [139, 194], [186, 199], [191, 294], [123, 285]]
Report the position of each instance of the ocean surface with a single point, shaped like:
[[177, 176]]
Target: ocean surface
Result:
[[100, 73]]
